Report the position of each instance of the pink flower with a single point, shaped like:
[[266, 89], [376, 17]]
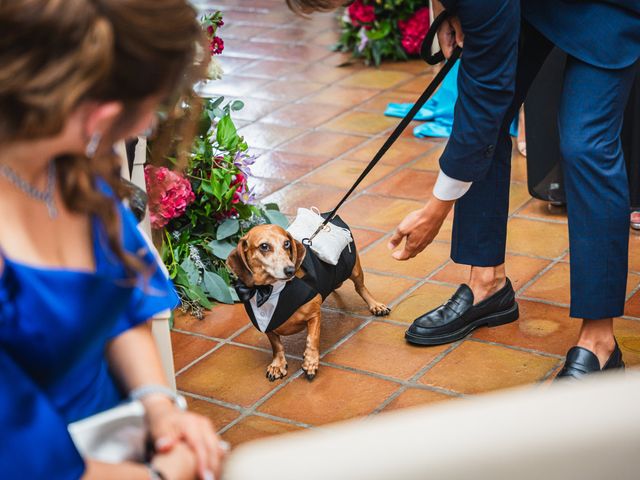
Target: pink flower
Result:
[[361, 14], [413, 30], [169, 194]]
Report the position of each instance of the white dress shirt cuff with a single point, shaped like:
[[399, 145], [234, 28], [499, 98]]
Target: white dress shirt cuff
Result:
[[447, 188]]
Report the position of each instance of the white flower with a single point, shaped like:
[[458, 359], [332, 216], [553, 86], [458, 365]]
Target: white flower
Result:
[[215, 70], [346, 18]]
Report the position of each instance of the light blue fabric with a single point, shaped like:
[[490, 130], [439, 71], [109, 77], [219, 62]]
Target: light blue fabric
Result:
[[54, 327], [438, 111]]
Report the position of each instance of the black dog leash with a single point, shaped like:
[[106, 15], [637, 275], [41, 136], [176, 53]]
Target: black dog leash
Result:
[[434, 59]]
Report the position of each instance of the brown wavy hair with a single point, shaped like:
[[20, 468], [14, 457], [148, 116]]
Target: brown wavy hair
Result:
[[305, 7], [56, 54]]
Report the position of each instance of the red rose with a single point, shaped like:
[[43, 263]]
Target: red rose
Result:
[[413, 30], [362, 14]]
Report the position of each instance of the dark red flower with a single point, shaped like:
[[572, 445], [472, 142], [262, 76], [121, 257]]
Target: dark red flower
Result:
[[361, 14], [217, 46], [220, 23], [210, 30], [413, 30]]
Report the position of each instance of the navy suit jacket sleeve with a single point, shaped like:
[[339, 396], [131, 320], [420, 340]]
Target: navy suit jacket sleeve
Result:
[[486, 82]]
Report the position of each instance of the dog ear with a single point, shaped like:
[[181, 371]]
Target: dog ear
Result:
[[298, 251], [237, 263]]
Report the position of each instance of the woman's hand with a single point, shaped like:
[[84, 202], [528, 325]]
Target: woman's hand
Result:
[[169, 426], [419, 228], [177, 464], [450, 32]]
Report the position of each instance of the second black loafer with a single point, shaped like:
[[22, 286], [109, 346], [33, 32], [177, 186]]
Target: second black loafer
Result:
[[458, 317]]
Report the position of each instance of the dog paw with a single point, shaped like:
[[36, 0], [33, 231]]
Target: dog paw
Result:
[[310, 367], [276, 371], [380, 310]]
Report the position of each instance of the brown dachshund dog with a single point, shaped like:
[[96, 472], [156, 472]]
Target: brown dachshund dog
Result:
[[270, 263]]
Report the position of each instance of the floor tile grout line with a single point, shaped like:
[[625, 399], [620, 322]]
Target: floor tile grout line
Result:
[[517, 348], [537, 276], [538, 219], [417, 376], [221, 343], [388, 378], [201, 357], [632, 293], [249, 411], [385, 403], [240, 409], [549, 373], [342, 155]]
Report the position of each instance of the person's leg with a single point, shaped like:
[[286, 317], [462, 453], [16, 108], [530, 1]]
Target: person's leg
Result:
[[480, 221], [590, 119]]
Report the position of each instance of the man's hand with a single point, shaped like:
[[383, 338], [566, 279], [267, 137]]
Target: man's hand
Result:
[[450, 32], [419, 228]]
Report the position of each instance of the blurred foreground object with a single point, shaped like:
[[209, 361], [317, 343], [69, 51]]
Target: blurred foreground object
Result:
[[587, 430]]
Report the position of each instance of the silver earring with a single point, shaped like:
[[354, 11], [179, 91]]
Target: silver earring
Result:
[[92, 146]]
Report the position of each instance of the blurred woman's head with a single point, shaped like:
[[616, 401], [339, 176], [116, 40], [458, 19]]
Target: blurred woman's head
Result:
[[102, 59], [87, 73]]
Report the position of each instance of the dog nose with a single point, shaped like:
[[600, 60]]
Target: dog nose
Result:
[[289, 271]]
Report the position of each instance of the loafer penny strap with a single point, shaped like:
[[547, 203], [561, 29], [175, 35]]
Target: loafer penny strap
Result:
[[580, 361]]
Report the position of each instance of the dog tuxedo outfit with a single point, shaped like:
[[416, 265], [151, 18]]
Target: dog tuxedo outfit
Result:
[[269, 306]]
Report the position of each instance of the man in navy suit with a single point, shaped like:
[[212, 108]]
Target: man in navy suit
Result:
[[505, 44]]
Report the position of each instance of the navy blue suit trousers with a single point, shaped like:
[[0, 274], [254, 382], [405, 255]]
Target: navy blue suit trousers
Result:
[[590, 121]]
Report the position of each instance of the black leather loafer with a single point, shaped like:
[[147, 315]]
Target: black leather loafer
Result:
[[581, 362], [459, 316]]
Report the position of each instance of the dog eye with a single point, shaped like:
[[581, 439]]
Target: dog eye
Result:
[[264, 247], [287, 244]]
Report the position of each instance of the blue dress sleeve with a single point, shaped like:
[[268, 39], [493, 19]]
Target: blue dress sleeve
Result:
[[152, 294], [34, 441]]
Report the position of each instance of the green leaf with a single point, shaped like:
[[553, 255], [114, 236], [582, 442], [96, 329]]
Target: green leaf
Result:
[[276, 218], [237, 105], [216, 103], [220, 249], [382, 31], [207, 187], [234, 294], [216, 287], [272, 206], [226, 132], [191, 271], [195, 293], [227, 228]]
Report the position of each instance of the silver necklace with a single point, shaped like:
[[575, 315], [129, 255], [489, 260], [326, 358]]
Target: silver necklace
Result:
[[46, 195]]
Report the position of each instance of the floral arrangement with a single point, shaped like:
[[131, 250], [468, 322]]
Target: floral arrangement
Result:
[[376, 30], [200, 212], [212, 23], [206, 210]]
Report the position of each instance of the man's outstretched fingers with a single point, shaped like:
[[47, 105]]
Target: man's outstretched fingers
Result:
[[395, 239]]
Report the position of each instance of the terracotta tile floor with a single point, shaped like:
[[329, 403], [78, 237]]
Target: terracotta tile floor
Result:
[[315, 124]]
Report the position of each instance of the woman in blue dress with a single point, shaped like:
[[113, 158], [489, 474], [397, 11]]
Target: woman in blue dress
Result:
[[78, 282]]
